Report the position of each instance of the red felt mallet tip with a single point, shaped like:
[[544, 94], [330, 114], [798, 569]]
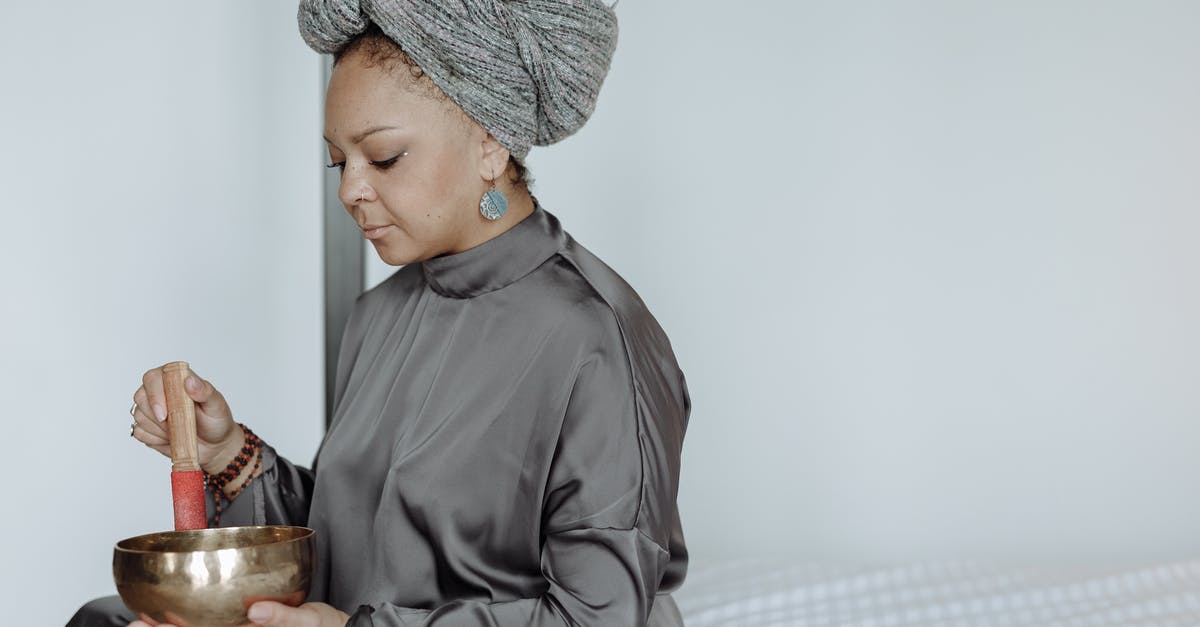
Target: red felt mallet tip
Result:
[[187, 491], [187, 479]]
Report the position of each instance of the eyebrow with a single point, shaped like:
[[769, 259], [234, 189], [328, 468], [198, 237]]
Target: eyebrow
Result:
[[363, 135]]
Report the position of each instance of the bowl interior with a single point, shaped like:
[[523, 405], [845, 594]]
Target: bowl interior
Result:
[[211, 539]]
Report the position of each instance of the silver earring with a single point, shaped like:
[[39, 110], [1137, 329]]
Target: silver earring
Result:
[[494, 203]]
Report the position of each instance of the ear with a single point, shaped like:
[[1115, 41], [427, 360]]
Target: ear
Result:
[[494, 158]]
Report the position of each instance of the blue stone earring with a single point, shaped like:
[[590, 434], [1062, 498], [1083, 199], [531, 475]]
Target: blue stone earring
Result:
[[493, 204]]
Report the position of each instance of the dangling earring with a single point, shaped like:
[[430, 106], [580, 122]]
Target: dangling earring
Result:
[[493, 204]]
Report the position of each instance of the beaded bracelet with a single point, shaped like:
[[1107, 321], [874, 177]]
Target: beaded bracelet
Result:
[[251, 448], [254, 472]]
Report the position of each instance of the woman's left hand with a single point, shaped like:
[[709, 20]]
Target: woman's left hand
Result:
[[272, 614]]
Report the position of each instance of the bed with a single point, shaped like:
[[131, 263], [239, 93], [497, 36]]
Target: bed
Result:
[[766, 593]]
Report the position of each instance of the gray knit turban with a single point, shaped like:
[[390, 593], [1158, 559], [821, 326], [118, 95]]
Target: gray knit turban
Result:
[[528, 71]]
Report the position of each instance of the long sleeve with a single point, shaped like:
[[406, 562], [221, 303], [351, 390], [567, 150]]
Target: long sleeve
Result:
[[282, 495], [601, 577], [606, 521]]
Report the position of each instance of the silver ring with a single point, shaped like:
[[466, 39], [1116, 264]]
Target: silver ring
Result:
[[133, 409], [132, 426]]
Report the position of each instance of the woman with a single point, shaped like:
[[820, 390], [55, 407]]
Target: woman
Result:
[[508, 416]]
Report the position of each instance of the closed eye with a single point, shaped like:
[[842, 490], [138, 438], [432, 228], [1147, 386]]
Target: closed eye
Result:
[[383, 165]]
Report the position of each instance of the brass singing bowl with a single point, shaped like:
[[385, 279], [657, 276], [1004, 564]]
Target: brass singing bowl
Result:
[[210, 577]]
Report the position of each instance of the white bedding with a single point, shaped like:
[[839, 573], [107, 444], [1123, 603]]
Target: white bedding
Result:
[[974, 594]]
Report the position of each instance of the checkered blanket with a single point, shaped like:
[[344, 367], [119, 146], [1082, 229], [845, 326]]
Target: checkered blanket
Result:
[[763, 593]]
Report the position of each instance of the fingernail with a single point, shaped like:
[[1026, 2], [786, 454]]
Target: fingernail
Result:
[[160, 412], [192, 383], [259, 613]]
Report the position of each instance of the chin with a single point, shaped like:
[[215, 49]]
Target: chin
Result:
[[392, 257]]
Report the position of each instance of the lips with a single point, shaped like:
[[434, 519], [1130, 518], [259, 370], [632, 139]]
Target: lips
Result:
[[375, 231]]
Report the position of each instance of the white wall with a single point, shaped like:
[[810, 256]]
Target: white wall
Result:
[[161, 186], [930, 267]]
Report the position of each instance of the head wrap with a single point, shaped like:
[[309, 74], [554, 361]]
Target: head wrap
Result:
[[528, 71]]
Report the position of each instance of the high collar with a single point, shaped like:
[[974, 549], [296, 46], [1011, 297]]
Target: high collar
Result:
[[498, 261]]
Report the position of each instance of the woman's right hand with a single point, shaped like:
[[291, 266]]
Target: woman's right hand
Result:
[[218, 437]]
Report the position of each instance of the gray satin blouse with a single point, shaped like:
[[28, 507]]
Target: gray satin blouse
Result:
[[504, 448]]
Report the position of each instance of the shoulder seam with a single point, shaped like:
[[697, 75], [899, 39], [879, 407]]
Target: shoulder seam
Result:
[[637, 392]]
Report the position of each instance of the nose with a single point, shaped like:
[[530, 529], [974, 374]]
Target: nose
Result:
[[353, 189]]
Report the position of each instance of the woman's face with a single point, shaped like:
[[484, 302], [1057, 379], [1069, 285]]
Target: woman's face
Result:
[[419, 163]]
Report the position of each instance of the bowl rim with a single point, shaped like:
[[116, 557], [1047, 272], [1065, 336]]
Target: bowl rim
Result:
[[306, 534]]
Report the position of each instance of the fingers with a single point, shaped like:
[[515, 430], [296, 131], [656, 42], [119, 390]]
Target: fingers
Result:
[[272, 614], [156, 399], [214, 420], [146, 429], [142, 434], [152, 400], [209, 400], [149, 415], [155, 442], [199, 389], [150, 441], [215, 427], [146, 621], [142, 418]]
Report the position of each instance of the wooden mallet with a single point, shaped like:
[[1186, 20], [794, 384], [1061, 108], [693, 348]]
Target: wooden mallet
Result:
[[187, 478]]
